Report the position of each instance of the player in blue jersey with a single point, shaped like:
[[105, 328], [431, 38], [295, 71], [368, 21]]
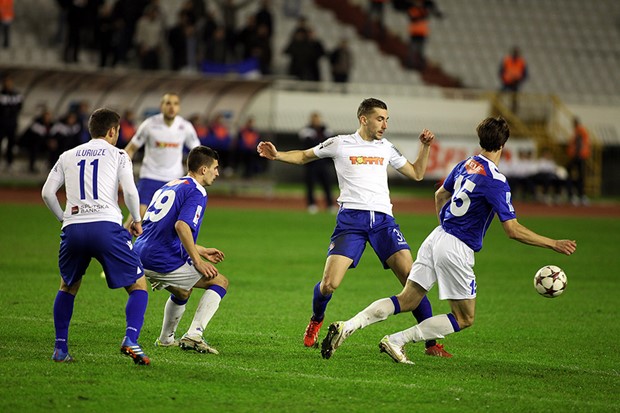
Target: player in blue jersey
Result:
[[173, 261], [365, 215], [92, 228], [472, 194]]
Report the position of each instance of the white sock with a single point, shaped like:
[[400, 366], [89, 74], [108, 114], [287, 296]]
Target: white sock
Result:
[[375, 312], [430, 329], [172, 315], [207, 306]]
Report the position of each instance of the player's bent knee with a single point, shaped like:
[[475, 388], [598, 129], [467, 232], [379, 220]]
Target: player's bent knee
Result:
[[222, 281]]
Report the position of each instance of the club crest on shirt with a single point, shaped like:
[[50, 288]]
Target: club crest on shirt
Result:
[[366, 160]]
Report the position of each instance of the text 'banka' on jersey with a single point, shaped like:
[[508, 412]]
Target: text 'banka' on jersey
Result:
[[474, 167], [366, 160]]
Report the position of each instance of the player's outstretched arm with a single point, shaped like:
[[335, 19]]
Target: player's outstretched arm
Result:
[[417, 169], [518, 232], [296, 157]]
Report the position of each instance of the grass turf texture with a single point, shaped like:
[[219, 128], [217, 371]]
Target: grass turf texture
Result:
[[525, 353]]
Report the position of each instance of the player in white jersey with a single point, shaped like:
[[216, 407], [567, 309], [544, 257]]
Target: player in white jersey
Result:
[[163, 136], [171, 257], [92, 228], [365, 214], [466, 203]]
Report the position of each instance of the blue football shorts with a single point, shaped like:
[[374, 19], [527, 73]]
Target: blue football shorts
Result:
[[107, 242], [147, 188], [356, 227]]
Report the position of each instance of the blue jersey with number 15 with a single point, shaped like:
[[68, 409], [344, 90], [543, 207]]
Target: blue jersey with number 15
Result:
[[159, 246], [479, 191]]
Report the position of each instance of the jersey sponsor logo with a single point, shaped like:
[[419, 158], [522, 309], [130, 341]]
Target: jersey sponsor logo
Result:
[[366, 160], [75, 210], [159, 144], [474, 167], [91, 209]]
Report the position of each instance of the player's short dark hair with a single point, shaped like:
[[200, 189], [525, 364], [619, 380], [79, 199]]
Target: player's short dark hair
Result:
[[368, 105], [201, 156], [493, 133], [101, 121]]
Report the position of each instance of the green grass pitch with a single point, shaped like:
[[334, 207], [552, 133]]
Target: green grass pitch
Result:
[[525, 353]]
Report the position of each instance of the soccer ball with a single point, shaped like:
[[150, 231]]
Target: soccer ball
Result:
[[550, 281]]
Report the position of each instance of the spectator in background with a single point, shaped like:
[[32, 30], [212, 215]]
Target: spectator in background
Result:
[[219, 139], [76, 19], [64, 135], [127, 128], [199, 125], [341, 60], [207, 30], [7, 14], [260, 49], [317, 52], [36, 136], [245, 38], [247, 141], [127, 13], [149, 35], [82, 111], [265, 17], [229, 10], [374, 22], [301, 55], [419, 13], [320, 171], [107, 35], [548, 177], [216, 50], [520, 175], [512, 73], [179, 38], [10, 106], [578, 152]]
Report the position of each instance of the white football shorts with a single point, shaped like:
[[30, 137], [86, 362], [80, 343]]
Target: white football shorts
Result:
[[447, 261], [184, 277]]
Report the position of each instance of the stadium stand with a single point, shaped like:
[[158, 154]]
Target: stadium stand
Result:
[[572, 50]]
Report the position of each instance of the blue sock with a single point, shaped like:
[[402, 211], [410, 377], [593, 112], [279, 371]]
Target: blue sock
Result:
[[63, 311], [221, 291], [319, 303], [423, 311], [178, 301], [455, 324], [134, 313]]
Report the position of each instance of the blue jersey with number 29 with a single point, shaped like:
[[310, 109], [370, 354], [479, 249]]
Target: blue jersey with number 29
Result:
[[479, 191], [159, 246]]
